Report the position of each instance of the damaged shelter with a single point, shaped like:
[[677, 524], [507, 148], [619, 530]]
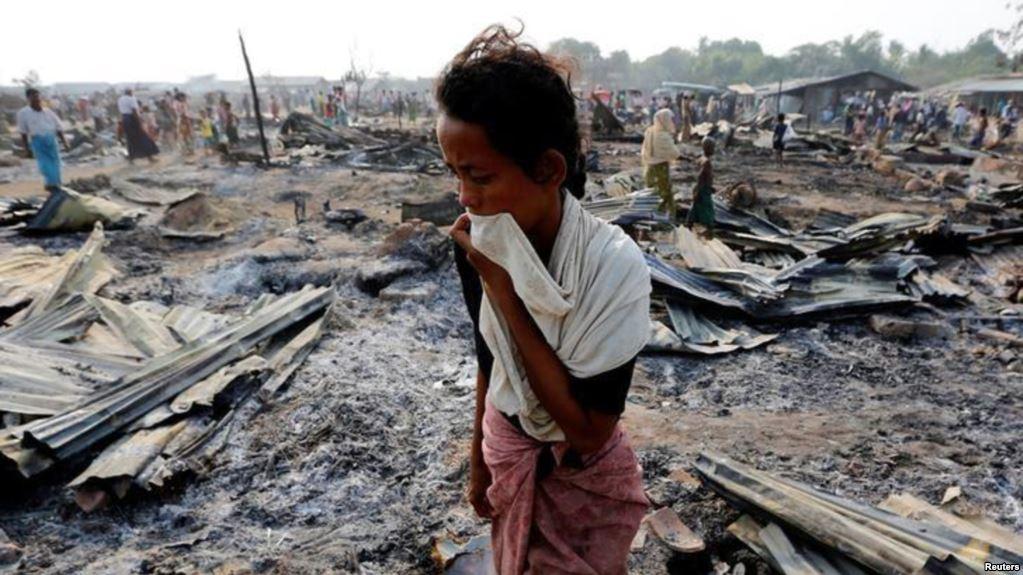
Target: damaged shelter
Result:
[[308, 137], [848, 337], [983, 91], [736, 291], [812, 97], [136, 393]]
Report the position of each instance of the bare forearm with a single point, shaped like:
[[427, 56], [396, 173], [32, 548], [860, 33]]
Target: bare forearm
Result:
[[548, 377], [477, 428]]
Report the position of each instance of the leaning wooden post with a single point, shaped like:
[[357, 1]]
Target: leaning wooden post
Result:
[[255, 101]]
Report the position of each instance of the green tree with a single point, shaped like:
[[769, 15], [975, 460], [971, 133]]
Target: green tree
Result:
[[1012, 37], [896, 55], [724, 62]]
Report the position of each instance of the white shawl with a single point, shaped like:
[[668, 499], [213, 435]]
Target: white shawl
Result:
[[592, 304]]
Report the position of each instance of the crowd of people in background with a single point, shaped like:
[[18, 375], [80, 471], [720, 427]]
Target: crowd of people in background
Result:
[[146, 122], [632, 107], [915, 120], [866, 119], [175, 120]]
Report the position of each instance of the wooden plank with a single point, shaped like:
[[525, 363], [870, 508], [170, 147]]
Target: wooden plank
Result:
[[831, 529], [909, 506], [747, 530], [790, 561]]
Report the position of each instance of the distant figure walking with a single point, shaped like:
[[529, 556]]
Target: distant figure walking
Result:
[[185, 128], [140, 145], [981, 132], [685, 110], [781, 130], [230, 125], [960, 117], [40, 129], [702, 212], [657, 153], [859, 130]]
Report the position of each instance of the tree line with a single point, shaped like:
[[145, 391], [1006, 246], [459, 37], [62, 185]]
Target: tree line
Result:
[[724, 62]]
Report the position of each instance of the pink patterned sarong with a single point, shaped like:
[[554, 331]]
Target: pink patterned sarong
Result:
[[574, 520]]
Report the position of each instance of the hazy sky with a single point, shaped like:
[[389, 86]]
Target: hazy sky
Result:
[[107, 40]]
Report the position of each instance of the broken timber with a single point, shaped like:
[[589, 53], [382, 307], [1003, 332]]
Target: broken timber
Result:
[[845, 531]]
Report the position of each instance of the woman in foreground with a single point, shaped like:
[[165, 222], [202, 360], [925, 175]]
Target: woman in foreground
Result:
[[560, 304]]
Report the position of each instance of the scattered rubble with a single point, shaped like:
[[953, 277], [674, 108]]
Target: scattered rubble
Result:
[[195, 217], [832, 309], [345, 217], [69, 211], [310, 138], [441, 212], [798, 529], [299, 130], [81, 369]]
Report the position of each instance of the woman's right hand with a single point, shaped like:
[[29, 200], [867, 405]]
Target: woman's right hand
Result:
[[494, 276], [479, 482]]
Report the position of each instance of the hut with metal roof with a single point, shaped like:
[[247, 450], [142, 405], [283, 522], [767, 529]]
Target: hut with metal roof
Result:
[[987, 91], [816, 97]]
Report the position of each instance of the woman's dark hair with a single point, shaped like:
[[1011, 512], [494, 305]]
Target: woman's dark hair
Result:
[[521, 97]]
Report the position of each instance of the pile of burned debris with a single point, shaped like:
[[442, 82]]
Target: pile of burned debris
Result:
[[142, 392], [186, 213], [308, 137], [798, 529], [756, 272]]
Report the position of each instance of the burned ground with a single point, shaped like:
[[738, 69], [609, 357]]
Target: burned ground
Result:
[[360, 462]]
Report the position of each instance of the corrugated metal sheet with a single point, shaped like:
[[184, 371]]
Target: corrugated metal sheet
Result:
[[985, 84], [690, 286], [799, 84], [718, 262], [819, 287], [1003, 269], [628, 209], [87, 271], [874, 538], [74, 430], [191, 324], [68, 210], [152, 195], [142, 374]]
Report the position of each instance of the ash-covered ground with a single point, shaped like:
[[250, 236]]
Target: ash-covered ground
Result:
[[360, 462]]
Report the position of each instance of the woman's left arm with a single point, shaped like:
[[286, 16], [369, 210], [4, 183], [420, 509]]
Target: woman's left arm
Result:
[[586, 430]]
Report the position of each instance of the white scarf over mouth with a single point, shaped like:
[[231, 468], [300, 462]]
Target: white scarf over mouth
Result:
[[591, 302]]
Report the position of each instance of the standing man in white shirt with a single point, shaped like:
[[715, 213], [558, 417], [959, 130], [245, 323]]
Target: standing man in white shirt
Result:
[[40, 128], [960, 117], [140, 145]]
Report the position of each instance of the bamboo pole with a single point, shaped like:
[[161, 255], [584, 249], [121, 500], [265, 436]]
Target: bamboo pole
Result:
[[255, 101]]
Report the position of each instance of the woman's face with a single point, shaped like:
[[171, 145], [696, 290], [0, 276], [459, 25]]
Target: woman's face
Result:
[[489, 182]]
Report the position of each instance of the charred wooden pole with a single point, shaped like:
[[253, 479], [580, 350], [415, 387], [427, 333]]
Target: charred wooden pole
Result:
[[255, 101]]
